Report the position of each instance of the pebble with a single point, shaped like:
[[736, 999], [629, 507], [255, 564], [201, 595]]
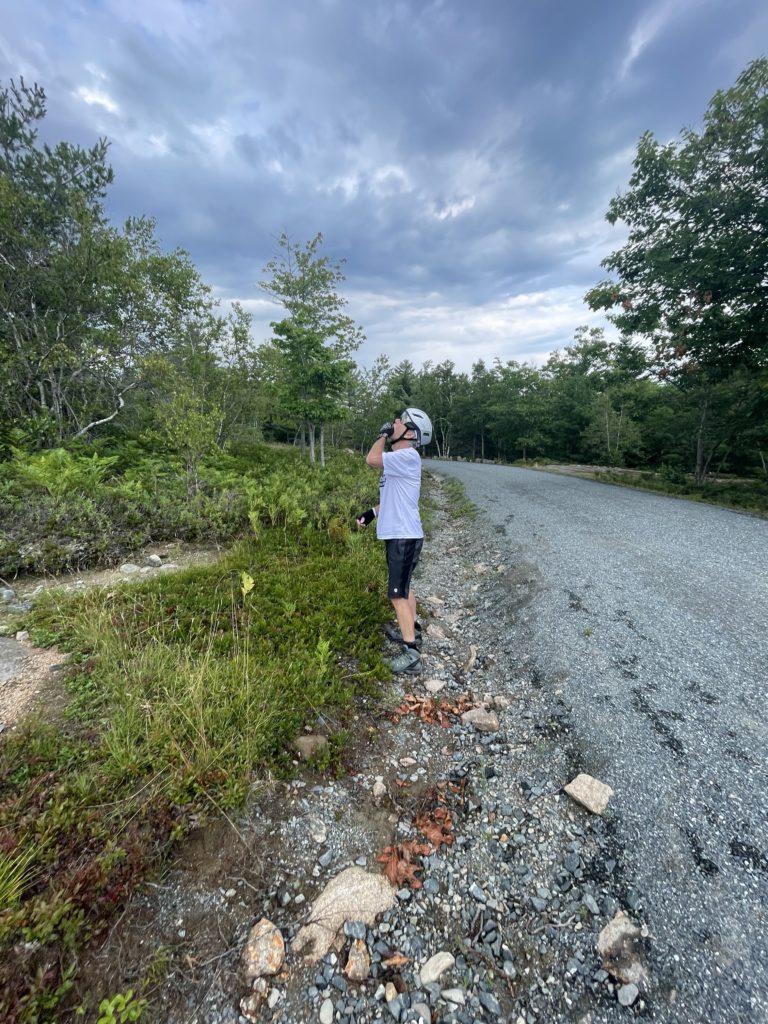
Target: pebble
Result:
[[326, 1012], [628, 994], [435, 966]]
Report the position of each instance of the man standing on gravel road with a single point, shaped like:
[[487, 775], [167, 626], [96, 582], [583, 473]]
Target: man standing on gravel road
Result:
[[398, 524]]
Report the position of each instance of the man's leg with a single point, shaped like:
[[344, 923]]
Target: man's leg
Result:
[[412, 605], [405, 610]]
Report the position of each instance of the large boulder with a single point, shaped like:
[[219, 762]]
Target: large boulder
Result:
[[353, 895]]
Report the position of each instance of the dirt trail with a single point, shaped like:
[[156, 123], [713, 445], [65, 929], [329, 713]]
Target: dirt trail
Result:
[[28, 673], [516, 891]]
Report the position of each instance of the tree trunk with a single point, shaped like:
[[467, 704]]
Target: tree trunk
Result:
[[322, 444], [311, 444], [700, 466], [482, 447], [762, 460]]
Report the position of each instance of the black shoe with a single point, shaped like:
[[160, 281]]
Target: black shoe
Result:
[[393, 632], [407, 663]]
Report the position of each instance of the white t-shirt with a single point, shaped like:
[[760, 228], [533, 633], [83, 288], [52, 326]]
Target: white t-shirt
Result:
[[399, 490]]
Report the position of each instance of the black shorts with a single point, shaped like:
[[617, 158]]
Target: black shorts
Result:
[[402, 559]]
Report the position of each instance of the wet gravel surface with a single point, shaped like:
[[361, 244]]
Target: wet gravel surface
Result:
[[650, 615]]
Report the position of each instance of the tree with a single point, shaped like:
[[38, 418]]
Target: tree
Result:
[[611, 432], [692, 276], [312, 380], [82, 305], [306, 285]]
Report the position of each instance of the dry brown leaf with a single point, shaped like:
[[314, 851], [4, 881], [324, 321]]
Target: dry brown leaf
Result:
[[436, 825], [401, 862], [396, 960]]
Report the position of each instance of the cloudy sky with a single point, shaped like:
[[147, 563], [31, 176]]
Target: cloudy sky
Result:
[[460, 156]]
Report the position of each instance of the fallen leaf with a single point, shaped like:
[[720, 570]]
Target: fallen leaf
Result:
[[397, 960], [436, 825], [401, 862]]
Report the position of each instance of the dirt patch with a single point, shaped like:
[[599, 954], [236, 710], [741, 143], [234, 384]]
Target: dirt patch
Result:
[[29, 678]]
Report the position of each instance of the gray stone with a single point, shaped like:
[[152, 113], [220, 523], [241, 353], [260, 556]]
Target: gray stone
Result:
[[129, 568], [326, 1012], [477, 893], [628, 994], [7, 595], [425, 1014], [154, 560], [591, 904], [491, 1003], [168, 567]]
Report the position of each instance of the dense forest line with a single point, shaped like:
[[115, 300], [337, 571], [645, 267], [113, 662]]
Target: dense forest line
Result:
[[106, 339]]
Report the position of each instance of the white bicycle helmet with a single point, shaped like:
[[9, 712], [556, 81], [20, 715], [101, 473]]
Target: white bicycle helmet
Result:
[[417, 419]]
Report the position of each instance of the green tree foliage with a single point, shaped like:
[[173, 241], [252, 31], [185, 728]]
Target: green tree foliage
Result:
[[86, 310], [692, 275], [315, 340]]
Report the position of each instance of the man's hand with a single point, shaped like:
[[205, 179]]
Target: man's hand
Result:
[[387, 430], [366, 517]]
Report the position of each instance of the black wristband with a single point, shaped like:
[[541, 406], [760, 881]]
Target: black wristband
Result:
[[367, 517]]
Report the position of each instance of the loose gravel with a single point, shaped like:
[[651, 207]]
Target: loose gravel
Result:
[[514, 905], [650, 617]]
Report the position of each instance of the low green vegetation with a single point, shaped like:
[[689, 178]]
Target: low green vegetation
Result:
[[749, 495], [459, 505], [183, 691]]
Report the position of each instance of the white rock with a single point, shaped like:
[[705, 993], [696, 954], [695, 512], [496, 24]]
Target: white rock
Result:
[[128, 568], [7, 595], [353, 895], [273, 998], [390, 992], [589, 792], [454, 995], [22, 635], [318, 830], [434, 685], [166, 566], [154, 560], [482, 719], [326, 1012], [379, 789], [619, 947], [435, 966]]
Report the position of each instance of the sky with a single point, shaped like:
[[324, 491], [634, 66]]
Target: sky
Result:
[[460, 157]]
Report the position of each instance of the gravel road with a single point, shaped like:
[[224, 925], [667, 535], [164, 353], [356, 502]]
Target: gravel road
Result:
[[651, 617]]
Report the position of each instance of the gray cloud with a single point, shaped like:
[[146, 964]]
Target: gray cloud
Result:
[[460, 157]]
